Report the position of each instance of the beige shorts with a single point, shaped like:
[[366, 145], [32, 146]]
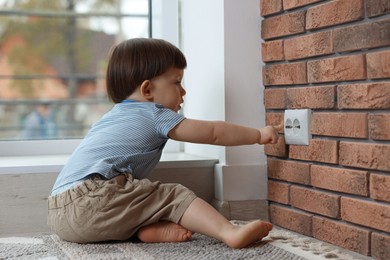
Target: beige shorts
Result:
[[103, 210]]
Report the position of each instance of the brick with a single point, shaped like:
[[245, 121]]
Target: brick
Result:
[[278, 192], [291, 4], [268, 7], [340, 179], [308, 45], [313, 97], [275, 98], [278, 149], [341, 234], [319, 202], [378, 63], [272, 51], [290, 171], [364, 96], [380, 246], [274, 118], [362, 36], [292, 219], [337, 69], [334, 12], [282, 25], [365, 155], [380, 187], [366, 213], [379, 126], [318, 150], [285, 74], [376, 8], [352, 125]]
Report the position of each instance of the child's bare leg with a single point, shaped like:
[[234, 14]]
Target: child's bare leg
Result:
[[163, 232], [203, 218]]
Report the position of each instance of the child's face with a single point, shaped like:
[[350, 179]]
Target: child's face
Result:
[[168, 90]]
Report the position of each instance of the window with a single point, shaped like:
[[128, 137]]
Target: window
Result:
[[52, 63]]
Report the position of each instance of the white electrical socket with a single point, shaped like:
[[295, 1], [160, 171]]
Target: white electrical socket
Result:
[[297, 126]]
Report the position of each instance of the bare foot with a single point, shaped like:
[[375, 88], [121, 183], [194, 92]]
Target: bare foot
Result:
[[243, 236], [163, 232]]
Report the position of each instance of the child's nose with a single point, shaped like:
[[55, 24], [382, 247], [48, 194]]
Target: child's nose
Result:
[[183, 91]]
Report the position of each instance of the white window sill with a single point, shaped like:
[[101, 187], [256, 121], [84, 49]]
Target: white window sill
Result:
[[54, 163]]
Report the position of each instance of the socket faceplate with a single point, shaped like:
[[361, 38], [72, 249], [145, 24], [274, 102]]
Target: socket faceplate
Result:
[[297, 126]]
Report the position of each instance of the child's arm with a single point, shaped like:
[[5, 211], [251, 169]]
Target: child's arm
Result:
[[222, 133]]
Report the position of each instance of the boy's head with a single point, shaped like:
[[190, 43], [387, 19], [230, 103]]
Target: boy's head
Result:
[[136, 60]]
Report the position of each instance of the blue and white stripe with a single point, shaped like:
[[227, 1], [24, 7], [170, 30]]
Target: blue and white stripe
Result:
[[128, 139]]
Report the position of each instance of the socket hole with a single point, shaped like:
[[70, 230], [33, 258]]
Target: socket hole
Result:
[[296, 126], [288, 124]]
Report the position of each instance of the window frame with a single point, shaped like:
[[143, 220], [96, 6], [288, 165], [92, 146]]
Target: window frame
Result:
[[163, 19]]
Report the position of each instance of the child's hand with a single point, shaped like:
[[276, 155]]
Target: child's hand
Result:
[[269, 134]]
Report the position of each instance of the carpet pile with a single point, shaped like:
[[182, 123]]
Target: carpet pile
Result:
[[279, 245]]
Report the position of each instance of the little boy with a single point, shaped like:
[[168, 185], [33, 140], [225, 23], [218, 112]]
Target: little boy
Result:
[[103, 192]]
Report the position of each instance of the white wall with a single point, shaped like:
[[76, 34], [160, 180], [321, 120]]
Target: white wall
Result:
[[221, 40], [203, 45], [243, 88]]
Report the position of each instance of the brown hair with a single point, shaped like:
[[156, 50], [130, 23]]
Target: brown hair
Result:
[[136, 60]]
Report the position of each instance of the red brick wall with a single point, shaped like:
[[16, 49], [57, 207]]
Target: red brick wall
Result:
[[334, 58]]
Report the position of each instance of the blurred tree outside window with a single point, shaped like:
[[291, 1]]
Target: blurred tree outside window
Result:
[[53, 56]]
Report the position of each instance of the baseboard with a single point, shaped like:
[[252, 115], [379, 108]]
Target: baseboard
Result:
[[244, 182], [243, 210]]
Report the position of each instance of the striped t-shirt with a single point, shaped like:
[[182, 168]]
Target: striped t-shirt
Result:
[[128, 139]]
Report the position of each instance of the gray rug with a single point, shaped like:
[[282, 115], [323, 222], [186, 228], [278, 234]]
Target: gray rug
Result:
[[279, 245]]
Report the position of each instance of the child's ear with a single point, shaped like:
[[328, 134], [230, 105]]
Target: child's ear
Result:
[[146, 90]]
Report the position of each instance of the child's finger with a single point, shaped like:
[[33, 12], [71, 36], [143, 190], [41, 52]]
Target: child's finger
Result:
[[279, 127], [274, 140]]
